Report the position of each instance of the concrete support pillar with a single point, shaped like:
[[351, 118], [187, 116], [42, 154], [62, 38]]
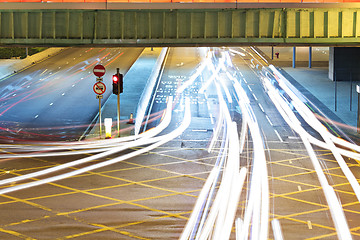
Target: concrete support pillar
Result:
[[331, 63], [310, 57], [294, 57]]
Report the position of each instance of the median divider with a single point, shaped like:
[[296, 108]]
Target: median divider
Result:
[[149, 90]]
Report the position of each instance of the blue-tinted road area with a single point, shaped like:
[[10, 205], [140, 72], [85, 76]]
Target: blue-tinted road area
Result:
[[54, 99]]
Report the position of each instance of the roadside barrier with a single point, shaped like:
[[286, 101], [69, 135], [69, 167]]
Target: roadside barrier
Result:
[[148, 90]]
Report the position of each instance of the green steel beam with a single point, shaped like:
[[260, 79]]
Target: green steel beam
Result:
[[181, 27]]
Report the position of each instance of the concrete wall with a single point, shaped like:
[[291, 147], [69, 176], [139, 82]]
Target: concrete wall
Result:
[[17, 65]]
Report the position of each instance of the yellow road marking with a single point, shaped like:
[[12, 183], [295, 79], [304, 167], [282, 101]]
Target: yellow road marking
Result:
[[19, 235], [295, 182], [302, 213], [304, 201], [305, 222]]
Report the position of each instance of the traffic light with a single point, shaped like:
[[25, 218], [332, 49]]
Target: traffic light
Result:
[[117, 83], [121, 82], [115, 80]]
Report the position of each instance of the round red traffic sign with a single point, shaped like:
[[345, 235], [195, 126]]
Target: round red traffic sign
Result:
[[99, 70], [99, 88]]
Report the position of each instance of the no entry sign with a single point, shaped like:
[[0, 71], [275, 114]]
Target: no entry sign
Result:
[[99, 70], [99, 88]]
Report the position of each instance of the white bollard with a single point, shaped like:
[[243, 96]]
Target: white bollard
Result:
[[108, 125]]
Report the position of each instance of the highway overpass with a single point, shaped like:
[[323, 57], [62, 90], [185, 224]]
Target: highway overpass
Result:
[[179, 24]]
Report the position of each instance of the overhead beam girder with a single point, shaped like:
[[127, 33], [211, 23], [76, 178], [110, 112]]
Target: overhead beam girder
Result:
[[180, 27]]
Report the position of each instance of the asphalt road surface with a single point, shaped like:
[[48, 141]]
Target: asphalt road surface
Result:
[[146, 197], [54, 99], [152, 195], [297, 199]]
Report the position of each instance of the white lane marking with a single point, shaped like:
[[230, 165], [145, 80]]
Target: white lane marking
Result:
[[245, 80], [208, 105], [255, 97], [279, 136], [269, 120], [262, 109], [249, 88], [211, 119], [241, 74]]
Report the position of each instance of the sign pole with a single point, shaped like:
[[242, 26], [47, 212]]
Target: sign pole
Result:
[[100, 116], [99, 88], [118, 103]]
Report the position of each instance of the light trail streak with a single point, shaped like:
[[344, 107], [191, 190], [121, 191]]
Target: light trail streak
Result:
[[288, 115], [311, 119], [156, 143], [277, 229], [144, 138], [227, 182], [193, 77], [198, 205], [258, 203], [82, 148], [221, 215], [56, 146], [193, 230], [285, 105]]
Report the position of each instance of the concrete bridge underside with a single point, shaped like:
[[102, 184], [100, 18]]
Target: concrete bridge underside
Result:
[[181, 27]]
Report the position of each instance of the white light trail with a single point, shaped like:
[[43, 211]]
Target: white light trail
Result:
[[193, 77], [221, 215], [258, 203], [147, 138], [160, 141], [317, 126], [277, 229], [289, 116]]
